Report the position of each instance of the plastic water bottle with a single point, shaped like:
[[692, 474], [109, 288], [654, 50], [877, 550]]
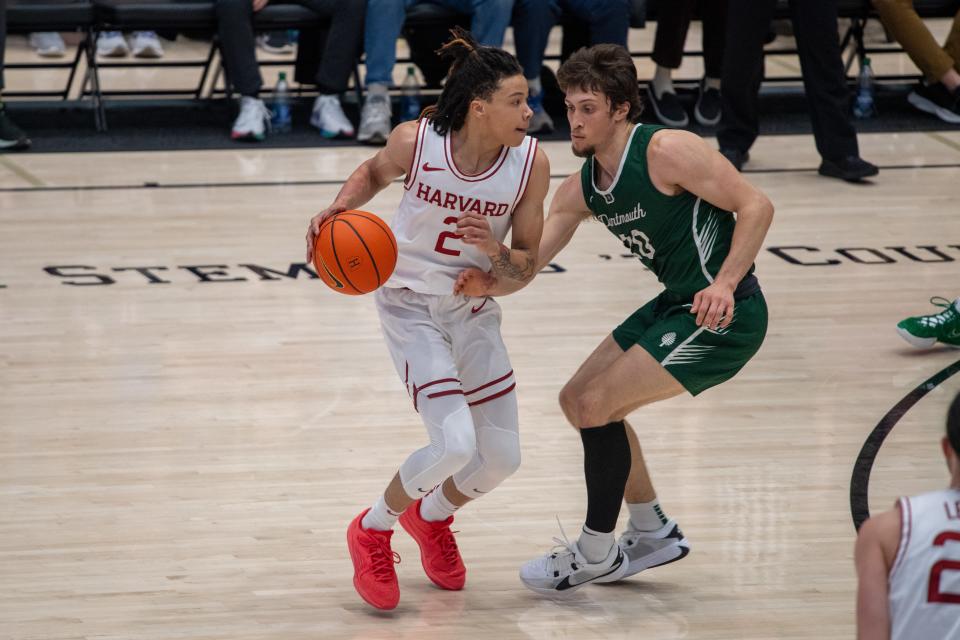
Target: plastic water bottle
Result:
[[863, 106], [281, 120], [410, 100]]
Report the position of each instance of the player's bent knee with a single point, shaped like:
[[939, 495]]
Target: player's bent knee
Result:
[[568, 403], [505, 461], [498, 457], [459, 441], [588, 410]]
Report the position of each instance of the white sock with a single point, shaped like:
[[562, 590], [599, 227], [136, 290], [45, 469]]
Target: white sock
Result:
[[646, 516], [435, 507], [534, 85], [711, 83], [380, 516], [662, 81], [594, 545]]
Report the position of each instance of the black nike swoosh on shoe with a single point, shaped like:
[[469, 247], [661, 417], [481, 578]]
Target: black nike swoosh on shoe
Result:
[[332, 277], [683, 554], [565, 583]]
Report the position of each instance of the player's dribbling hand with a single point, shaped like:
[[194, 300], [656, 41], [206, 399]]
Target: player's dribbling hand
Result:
[[259, 4], [714, 306], [314, 228], [475, 229], [473, 283]]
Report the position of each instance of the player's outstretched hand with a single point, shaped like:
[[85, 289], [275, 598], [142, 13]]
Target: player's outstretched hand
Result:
[[474, 283], [314, 227], [714, 306], [475, 229]]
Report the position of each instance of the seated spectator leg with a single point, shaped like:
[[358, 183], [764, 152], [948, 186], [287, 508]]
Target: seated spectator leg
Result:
[[490, 18], [747, 24], [238, 46], [825, 86], [903, 23], [673, 20], [337, 61], [11, 137], [609, 20], [714, 15], [714, 24], [382, 28], [824, 81], [952, 46], [532, 22], [384, 22]]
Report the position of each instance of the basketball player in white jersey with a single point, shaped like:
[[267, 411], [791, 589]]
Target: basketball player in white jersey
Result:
[[908, 560], [472, 173]]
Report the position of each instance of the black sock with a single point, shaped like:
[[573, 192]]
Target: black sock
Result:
[[606, 466]]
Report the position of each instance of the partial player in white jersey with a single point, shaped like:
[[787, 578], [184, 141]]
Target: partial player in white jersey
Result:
[[908, 560], [472, 174]]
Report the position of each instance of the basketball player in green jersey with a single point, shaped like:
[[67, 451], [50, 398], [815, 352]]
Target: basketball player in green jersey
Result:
[[668, 197]]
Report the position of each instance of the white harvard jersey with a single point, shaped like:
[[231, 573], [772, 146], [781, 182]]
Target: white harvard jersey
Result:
[[925, 578], [431, 255]]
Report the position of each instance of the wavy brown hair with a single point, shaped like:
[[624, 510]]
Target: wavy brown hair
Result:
[[476, 72], [606, 69]]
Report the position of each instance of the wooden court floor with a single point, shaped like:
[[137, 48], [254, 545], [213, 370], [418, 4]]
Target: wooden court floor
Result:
[[185, 431]]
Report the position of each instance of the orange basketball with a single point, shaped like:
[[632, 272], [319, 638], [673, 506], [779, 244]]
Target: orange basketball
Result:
[[355, 252]]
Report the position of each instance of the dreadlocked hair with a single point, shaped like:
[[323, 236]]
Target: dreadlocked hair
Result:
[[476, 72]]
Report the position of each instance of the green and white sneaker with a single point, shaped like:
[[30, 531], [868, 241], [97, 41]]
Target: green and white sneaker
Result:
[[925, 331]]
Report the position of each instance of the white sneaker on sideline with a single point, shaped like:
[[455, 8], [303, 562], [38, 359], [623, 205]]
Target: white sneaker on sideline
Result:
[[328, 116], [146, 44], [253, 121], [110, 44], [48, 44], [375, 116], [648, 549], [564, 570]]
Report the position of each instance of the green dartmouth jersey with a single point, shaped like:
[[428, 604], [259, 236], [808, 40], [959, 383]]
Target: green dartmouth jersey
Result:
[[683, 239]]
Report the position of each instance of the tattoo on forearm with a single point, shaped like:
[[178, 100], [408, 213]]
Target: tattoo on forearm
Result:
[[504, 268]]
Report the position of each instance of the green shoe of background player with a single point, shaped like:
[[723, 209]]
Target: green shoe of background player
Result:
[[925, 331]]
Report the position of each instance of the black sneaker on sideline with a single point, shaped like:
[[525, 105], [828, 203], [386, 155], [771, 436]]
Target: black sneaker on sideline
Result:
[[851, 169], [12, 137], [937, 99], [668, 109], [736, 157], [707, 111]]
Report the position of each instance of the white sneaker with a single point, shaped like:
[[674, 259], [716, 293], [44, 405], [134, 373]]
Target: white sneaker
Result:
[[648, 549], [253, 121], [375, 117], [48, 44], [110, 44], [540, 121], [275, 43], [564, 570], [146, 44], [328, 116]]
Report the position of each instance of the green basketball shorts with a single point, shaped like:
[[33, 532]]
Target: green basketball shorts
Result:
[[697, 357]]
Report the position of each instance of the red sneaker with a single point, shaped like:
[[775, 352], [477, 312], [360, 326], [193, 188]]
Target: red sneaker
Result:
[[438, 549], [374, 577]]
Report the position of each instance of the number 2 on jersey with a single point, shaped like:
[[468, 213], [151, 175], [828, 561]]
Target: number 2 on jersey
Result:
[[447, 234], [934, 594]]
